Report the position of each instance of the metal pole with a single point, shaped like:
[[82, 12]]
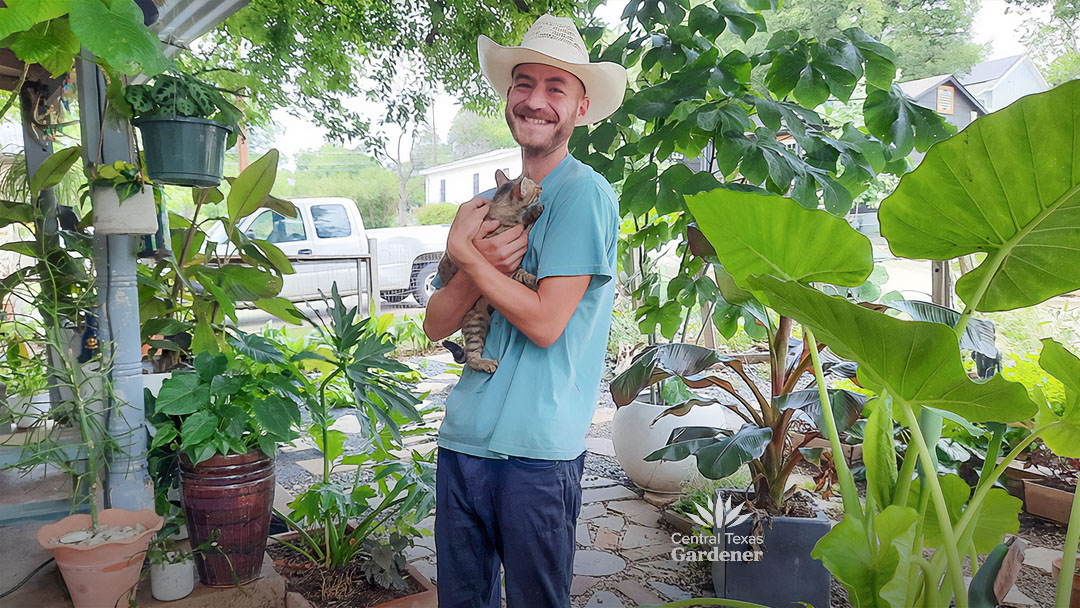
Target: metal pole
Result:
[[128, 484], [373, 275], [941, 284]]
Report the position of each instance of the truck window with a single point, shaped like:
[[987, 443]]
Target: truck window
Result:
[[331, 221], [276, 228]]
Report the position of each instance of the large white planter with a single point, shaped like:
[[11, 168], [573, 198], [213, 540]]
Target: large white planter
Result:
[[635, 439], [137, 214], [170, 582], [29, 410]]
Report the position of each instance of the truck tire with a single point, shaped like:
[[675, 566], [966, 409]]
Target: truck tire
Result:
[[395, 296], [422, 287]]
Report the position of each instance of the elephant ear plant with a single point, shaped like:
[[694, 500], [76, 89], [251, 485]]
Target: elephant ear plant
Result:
[[1007, 188], [340, 520]]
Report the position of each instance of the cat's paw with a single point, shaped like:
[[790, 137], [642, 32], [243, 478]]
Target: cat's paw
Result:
[[487, 366]]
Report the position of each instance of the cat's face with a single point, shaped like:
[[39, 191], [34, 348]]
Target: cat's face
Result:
[[517, 193]]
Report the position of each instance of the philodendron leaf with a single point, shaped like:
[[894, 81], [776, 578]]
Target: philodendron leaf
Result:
[[1007, 185], [875, 572], [114, 31], [847, 406], [757, 234], [657, 363], [879, 453], [919, 363], [250, 189], [998, 515], [979, 334], [1064, 436], [724, 457]]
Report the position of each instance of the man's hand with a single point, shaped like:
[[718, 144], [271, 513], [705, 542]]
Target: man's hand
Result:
[[465, 231], [504, 250]]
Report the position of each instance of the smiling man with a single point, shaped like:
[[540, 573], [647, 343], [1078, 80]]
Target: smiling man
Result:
[[511, 447]]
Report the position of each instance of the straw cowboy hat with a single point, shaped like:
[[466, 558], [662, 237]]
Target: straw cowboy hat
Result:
[[555, 41]]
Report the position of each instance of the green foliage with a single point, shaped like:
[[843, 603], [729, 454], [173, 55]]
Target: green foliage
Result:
[[179, 95], [408, 334], [333, 518], [436, 213], [1025, 369], [124, 178], [230, 403], [1050, 29], [472, 133]]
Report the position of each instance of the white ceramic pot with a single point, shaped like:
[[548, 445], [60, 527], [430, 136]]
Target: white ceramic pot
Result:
[[137, 214], [28, 410], [170, 582], [635, 439]]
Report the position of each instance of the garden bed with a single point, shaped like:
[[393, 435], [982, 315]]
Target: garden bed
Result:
[[346, 587]]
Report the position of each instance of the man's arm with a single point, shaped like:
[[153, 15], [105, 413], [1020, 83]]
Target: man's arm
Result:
[[447, 306]]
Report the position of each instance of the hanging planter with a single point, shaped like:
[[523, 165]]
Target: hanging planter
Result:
[[122, 200], [186, 126]]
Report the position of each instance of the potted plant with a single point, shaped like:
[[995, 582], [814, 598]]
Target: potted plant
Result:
[[185, 125], [338, 524], [1051, 497], [27, 385], [223, 421], [124, 202], [101, 553], [172, 569]]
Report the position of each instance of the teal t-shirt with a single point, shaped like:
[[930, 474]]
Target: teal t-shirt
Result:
[[540, 401]]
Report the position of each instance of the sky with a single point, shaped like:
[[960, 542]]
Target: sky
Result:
[[992, 25]]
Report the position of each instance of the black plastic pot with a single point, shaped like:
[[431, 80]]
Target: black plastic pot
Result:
[[182, 150], [785, 573]]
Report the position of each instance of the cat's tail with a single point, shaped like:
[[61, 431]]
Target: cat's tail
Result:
[[457, 351]]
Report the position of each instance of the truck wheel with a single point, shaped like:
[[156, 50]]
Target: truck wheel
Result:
[[422, 282], [394, 296]]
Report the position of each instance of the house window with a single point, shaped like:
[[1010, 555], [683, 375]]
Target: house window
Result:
[[945, 99], [442, 190], [475, 184]]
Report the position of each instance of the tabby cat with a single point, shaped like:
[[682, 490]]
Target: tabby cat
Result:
[[515, 202]]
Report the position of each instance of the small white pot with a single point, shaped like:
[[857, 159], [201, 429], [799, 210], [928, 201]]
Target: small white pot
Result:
[[634, 439], [28, 410], [170, 582], [137, 214]]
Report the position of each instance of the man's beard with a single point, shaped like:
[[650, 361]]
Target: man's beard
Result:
[[561, 134]]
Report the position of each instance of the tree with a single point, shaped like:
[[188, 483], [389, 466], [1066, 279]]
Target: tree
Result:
[[1054, 43], [472, 134], [929, 37], [428, 149], [310, 57]]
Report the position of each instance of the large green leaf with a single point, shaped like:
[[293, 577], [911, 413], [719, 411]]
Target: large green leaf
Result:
[[1064, 436], [722, 458], [874, 573], [685, 441], [53, 169], [197, 427], [21, 15], [182, 394], [847, 406], [51, 44], [756, 234], [276, 415], [1007, 185], [657, 363], [998, 515], [879, 453], [979, 334], [250, 189], [115, 32], [917, 362]]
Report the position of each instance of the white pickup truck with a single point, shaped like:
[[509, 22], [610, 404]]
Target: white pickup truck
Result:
[[408, 257]]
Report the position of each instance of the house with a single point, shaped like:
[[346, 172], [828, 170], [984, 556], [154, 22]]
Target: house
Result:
[[462, 179], [999, 82], [947, 96]]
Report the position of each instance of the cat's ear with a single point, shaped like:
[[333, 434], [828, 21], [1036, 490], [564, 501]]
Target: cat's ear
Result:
[[500, 178], [525, 188]]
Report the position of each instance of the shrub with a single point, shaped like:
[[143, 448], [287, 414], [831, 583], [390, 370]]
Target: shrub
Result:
[[438, 213]]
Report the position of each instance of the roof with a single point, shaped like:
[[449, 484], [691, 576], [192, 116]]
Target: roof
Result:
[[988, 70], [916, 88], [472, 160]]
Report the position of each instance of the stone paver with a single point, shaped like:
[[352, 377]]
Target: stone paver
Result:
[[432, 417], [660, 500], [582, 534], [425, 541], [417, 552], [672, 592], [427, 569], [1041, 557], [581, 584], [666, 564], [638, 554], [637, 510], [348, 424], [429, 386], [301, 445], [638, 594], [597, 482], [597, 563], [600, 445], [591, 511], [604, 599], [614, 523], [606, 539], [603, 415], [295, 600], [640, 536], [314, 466], [613, 493]]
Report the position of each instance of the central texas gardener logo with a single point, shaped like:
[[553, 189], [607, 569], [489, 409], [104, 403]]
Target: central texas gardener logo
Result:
[[729, 517]]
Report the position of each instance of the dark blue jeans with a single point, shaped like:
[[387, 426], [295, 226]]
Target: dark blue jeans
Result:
[[520, 513]]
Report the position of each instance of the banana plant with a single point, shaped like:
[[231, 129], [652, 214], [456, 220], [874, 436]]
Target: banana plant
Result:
[[1007, 188]]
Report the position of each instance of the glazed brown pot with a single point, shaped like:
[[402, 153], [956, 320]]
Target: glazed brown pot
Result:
[[232, 496]]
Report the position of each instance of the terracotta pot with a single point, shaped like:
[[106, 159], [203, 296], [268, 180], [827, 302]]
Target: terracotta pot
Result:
[[230, 496], [101, 576], [428, 598], [1047, 502], [1055, 567]]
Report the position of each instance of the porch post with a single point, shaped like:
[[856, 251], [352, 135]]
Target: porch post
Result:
[[128, 484]]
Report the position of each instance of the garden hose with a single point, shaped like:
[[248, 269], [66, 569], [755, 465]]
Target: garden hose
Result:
[[23, 581]]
